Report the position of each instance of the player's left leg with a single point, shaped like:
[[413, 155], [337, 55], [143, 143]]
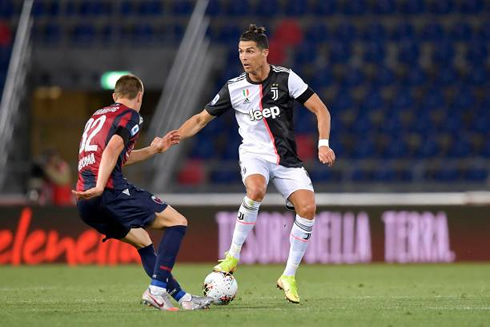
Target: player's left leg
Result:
[[140, 239], [295, 185]]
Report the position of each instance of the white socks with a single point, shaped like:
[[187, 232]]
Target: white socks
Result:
[[298, 240], [247, 215]]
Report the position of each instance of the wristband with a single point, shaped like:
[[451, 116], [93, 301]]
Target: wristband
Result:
[[323, 142]]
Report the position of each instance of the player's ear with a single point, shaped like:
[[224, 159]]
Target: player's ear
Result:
[[114, 97], [265, 52]]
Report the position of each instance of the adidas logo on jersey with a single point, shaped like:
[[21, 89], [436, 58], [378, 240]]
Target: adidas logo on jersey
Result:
[[265, 113]]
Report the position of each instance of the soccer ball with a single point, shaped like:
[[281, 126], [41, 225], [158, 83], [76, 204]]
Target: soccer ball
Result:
[[221, 287]]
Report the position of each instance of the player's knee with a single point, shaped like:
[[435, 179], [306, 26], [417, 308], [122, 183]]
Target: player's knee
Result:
[[182, 221], [256, 193], [306, 210]]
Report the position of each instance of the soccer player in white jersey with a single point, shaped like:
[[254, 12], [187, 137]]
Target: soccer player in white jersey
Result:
[[263, 99]]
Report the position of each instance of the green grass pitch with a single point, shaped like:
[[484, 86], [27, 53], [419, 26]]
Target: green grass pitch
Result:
[[360, 295]]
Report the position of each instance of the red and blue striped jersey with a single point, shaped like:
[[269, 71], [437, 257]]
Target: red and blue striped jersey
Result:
[[99, 129]]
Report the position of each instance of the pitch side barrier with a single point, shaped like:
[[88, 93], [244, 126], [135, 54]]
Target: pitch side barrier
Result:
[[349, 229]]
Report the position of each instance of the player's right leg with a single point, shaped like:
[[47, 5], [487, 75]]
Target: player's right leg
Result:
[[254, 177]]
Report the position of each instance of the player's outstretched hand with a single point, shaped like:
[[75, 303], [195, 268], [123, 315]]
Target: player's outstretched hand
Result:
[[163, 144], [326, 155], [88, 194]]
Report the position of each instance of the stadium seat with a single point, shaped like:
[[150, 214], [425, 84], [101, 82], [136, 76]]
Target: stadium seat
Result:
[[408, 52], [324, 8], [477, 76], [225, 176], [413, 7], [268, 8], [447, 76], [403, 31], [317, 33], [374, 53], [345, 32], [441, 7], [354, 7], [295, 8], [383, 77], [433, 32], [461, 31], [353, 77], [476, 175], [339, 52], [470, 6], [182, 8], [383, 7], [375, 32], [243, 9]]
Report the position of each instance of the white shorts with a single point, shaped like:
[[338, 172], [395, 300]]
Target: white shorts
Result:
[[286, 180]]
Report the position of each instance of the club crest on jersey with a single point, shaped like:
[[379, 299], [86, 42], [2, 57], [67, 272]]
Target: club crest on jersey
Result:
[[271, 112], [246, 93], [156, 199], [275, 92]]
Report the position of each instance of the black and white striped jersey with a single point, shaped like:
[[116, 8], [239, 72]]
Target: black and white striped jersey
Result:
[[264, 112]]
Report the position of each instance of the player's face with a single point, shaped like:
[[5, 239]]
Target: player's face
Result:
[[251, 56]]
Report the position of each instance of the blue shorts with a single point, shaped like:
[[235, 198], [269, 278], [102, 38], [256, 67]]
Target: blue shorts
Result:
[[115, 212]]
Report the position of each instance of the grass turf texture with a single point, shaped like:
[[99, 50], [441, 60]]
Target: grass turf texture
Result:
[[370, 295]]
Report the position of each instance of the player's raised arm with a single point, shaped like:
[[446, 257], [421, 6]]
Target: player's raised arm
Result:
[[158, 145], [316, 105], [194, 124], [107, 164]]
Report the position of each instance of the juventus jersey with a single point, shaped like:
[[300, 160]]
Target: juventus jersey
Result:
[[264, 112]]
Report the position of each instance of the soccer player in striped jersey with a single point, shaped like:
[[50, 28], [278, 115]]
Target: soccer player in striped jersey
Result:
[[118, 209], [263, 99]]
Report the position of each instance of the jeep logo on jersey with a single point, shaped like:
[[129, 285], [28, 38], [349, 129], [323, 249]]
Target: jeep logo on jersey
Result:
[[265, 113]]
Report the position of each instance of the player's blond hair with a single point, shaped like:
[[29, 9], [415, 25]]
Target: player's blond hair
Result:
[[128, 86]]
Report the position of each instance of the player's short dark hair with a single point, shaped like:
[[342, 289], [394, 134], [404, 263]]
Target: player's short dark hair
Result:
[[256, 34], [128, 86]]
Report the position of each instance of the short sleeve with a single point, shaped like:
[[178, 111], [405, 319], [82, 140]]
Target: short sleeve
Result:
[[130, 120], [296, 85], [221, 102]]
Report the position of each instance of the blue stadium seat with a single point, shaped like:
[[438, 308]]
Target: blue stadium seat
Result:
[[383, 77], [443, 52], [353, 77], [364, 148], [447, 76], [470, 6], [143, 33], [446, 174], [203, 148], [7, 8], [441, 7], [403, 31], [483, 32], [413, 7], [150, 8], [464, 99], [317, 33], [182, 7], [373, 100], [51, 34], [477, 52], [375, 32], [127, 8], [434, 99], [305, 53], [414, 77], [477, 76], [397, 148], [83, 34], [374, 53], [403, 100], [428, 149], [268, 8], [383, 7], [386, 174], [324, 8], [238, 9], [321, 79], [225, 176], [343, 100], [476, 175], [339, 52], [39, 8], [461, 31], [361, 175], [214, 8], [354, 7], [408, 52], [319, 174], [295, 8], [433, 32], [459, 149], [345, 32]]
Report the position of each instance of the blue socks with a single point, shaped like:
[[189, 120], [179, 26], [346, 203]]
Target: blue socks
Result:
[[148, 259], [167, 254]]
